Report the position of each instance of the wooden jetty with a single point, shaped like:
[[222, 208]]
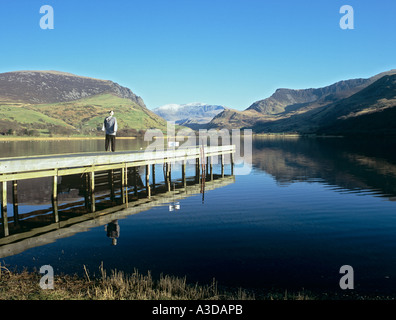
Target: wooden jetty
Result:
[[90, 164]]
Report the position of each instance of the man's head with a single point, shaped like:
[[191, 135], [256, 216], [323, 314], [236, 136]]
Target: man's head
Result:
[[111, 112]]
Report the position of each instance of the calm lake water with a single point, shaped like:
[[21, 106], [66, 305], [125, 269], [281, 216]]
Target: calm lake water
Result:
[[308, 207]]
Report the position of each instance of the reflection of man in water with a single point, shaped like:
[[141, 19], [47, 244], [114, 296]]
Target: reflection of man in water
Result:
[[113, 231]]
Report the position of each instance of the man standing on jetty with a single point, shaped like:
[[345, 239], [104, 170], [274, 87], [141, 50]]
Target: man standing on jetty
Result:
[[110, 126]]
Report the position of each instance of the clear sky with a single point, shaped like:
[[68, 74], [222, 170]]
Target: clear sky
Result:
[[228, 52]]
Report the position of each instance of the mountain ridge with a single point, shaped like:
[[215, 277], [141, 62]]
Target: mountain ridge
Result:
[[365, 106], [283, 98], [56, 86], [285, 106], [190, 114], [60, 103]]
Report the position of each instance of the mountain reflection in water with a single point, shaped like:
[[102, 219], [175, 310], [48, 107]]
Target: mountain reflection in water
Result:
[[344, 164]]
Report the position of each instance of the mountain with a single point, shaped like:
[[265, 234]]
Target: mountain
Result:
[[282, 111], [190, 115], [369, 111], [234, 119], [53, 102], [38, 87], [289, 100]]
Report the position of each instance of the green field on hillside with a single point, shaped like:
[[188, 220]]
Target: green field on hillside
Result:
[[83, 116]]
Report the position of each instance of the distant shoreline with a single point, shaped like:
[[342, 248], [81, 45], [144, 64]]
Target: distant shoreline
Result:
[[294, 135], [8, 138]]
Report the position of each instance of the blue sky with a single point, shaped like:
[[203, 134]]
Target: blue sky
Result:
[[229, 52]]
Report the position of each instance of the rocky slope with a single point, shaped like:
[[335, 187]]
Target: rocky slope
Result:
[[368, 111], [288, 100], [290, 110], [39, 87]]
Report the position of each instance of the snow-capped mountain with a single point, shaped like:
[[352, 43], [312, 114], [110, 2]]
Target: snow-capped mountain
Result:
[[190, 114]]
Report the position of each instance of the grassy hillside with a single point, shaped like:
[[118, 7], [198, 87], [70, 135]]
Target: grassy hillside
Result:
[[80, 117]]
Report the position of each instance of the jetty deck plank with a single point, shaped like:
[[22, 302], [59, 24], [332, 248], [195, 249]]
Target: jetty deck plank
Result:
[[44, 166]]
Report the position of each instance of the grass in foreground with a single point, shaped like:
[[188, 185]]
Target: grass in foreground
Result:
[[120, 286], [116, 286]]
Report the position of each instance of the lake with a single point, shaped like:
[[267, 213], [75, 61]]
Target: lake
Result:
[[308, 207]]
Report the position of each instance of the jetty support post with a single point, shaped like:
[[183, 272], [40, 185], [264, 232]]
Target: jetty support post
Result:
[[92, 189], [153, 174], [4, 217], [15, 201], [197, 170], [124, 184], [222, 165], [184, 173], [148, 189], [211, 168], [232, 164], [55, 197], [86, 189], [168, 177], [170, 171]]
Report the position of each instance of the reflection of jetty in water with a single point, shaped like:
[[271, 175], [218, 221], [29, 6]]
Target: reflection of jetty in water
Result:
[[37, 228], [346, 165]]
